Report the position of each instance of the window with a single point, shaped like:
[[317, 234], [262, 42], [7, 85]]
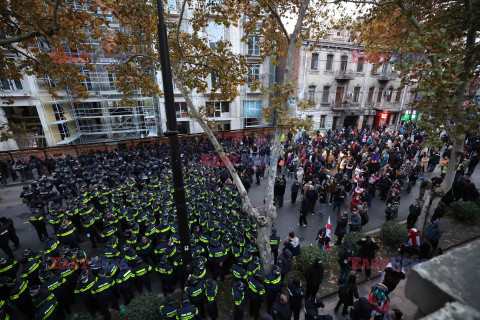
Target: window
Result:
[[311, 92], [314, 62], [399, 94], [252, 108], [343, 63], [252, 122], [181, 109], [215, 33], [329, 65], [111, 81], [371, 91], [13, 85], [225, 106], [254, 74], [253, 45], [87, 82], [326, 94], [385, 68], [339, 33], [390, 93], [213, 77], [356, 94], [323, 119], [339, 94], [360, 63], [215, 108], [380, 93], [171, 4]]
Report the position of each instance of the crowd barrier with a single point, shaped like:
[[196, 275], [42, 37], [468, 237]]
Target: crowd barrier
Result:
[[79, 149]]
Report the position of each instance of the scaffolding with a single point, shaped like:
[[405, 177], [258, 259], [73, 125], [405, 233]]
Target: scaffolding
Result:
[[100, 117]]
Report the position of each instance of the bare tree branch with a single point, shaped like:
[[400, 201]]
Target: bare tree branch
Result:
[[375, 3], [55, 16], [19, 38], [279, 20], [414, 20], [135, 56], [179, 23]]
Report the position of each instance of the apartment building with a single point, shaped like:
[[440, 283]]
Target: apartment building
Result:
[[347, 87], [245, 111], [41, 120]]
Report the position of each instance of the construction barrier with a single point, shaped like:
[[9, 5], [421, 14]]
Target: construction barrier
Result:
[[79, 149]]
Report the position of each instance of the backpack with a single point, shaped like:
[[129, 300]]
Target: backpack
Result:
[[364, 216]]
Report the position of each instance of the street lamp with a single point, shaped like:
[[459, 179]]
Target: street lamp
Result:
[[172, 134]]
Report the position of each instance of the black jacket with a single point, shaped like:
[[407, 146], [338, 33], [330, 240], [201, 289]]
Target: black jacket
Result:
[[314, 274], [367, 249], [296, 294], [281, 311]]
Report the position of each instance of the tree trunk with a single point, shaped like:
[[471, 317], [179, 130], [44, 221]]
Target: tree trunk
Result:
[[264, 222]]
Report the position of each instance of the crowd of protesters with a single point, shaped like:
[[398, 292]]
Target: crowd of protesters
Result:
[[121, 202]]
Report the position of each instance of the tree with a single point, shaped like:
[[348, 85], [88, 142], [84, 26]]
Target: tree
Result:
[[433, 45], [49, 39]]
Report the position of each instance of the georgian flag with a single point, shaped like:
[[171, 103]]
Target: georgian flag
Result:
[[328, 231]]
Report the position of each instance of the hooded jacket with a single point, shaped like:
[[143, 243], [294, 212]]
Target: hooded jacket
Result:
[[281, 311], [314, 274], [361, 309]]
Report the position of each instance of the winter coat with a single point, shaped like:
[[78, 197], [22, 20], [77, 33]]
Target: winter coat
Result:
[[344, 258], [314, 275], [311, 309], [347, 292], [367, 249], [296, 294], [285, 261], [341, 227], [281, 311], [433, 233], [356, 221], [414, 213], [361, 309]]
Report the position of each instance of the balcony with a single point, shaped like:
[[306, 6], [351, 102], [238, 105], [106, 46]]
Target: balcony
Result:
[[386, 76], [344, 75], [345, 105]]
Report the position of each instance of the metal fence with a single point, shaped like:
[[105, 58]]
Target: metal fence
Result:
[[79, 149]]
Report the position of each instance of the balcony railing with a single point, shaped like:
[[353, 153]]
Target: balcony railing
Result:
[[387, 76], [344, 75], [345, 105]]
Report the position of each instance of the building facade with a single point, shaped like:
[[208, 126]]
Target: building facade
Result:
[[46, 121], [346, 88], [245, 111]]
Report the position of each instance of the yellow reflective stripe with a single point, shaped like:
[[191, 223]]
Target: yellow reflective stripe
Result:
[[66, 233]]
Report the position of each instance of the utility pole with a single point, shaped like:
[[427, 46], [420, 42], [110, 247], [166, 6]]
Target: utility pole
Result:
[[172, 134]]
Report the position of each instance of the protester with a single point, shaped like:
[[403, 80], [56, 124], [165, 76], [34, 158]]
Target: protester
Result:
[[314, 277], [392, 275], [433, 233], [345, 261], [368, 247], [346, 293]]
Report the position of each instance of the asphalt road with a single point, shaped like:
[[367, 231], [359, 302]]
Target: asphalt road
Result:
[[287, 218]]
